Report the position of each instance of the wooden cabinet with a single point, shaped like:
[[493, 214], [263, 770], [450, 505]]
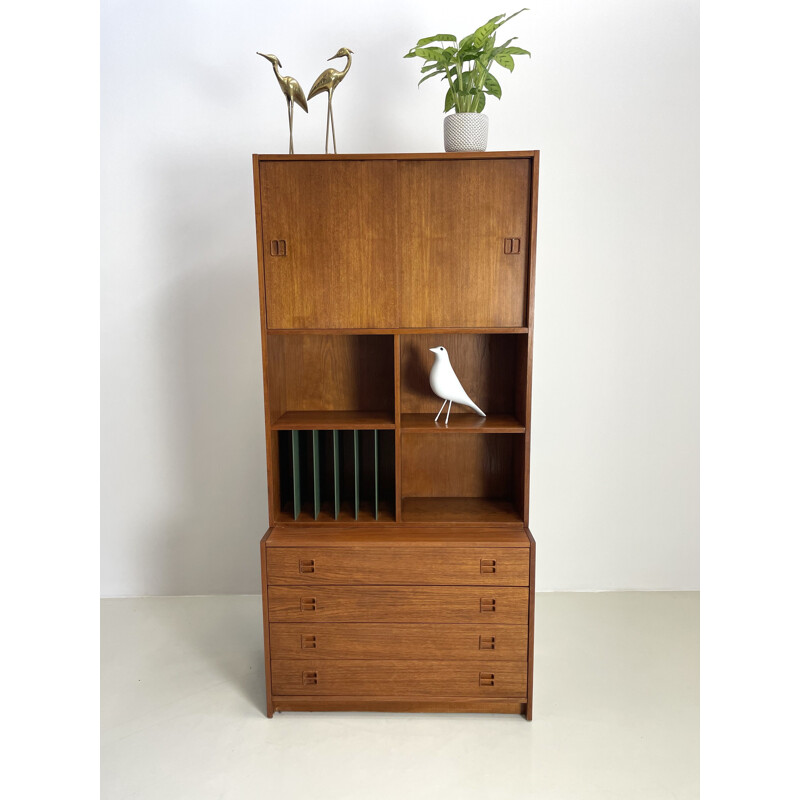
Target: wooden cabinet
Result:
[[398, 569]]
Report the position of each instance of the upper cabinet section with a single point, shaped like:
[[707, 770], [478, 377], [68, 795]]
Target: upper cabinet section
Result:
[[375, 242], [463, 242], [328, 243]]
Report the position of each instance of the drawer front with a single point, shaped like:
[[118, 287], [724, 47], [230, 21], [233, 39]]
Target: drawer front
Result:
[[399, 678], [489, 605], [348, 640], [459, 566]]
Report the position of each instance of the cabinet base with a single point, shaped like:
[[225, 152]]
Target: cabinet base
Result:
[[406, 706]]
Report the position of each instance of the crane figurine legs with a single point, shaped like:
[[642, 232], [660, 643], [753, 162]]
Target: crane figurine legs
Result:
[[440, 411], [290, 110]]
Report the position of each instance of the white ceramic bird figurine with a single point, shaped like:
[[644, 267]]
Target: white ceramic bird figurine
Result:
[[445, 384]]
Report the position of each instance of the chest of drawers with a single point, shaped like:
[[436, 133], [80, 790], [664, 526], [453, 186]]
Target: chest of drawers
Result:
[[402, 619]]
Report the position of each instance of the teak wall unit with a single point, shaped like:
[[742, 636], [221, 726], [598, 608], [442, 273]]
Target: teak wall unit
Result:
[[398, 569]]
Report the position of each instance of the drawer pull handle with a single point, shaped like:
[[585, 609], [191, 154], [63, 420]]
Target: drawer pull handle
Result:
[[511, 246], [306, 566], [488, 565], [308, 641], [486, 679], [310, 678], [277, 247], [308, 604], [488, 604], [486, 643]]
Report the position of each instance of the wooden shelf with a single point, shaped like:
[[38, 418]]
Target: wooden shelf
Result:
[[390, 331], [461, 423], [458, 509], [334, 420]]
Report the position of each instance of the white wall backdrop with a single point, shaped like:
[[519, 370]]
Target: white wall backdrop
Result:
[[611, 99]]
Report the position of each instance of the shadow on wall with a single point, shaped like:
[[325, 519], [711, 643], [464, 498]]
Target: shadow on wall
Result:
[[207, 324]]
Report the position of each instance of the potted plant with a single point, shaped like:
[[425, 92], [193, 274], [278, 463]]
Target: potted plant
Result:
[[466, 66]]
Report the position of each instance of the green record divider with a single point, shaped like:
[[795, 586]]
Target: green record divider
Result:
[[356, 487], [375, 435], [315, 470], [316, 473], [296, 473], [336, 485]]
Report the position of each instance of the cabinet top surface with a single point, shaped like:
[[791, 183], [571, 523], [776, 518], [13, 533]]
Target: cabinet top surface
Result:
[[296, 536], [393, 156]]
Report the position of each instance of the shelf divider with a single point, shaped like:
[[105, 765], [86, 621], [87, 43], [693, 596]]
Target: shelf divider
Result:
[[315, 470], [375, 436], [336, 492], [296, 473], [356, 474]]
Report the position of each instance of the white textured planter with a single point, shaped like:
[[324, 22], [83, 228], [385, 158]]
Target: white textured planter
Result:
[[466, 131]]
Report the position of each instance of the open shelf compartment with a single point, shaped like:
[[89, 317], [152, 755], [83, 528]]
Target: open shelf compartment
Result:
[[330, 381], [492, 368], [462, 478]]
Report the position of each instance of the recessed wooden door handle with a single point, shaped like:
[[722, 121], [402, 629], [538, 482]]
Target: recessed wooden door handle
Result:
[[308, 604], [488, 604], [511, 247], [488, 565], [486, 679], [306, 566]]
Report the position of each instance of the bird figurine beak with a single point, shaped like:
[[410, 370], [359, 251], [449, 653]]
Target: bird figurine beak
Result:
[[432, 349]]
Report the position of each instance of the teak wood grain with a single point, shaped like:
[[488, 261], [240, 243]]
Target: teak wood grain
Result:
[[454, 219], [419, 536], [395, 678], [339, 267], [314, 566], [332, 374], [292, 640], [481, 605]]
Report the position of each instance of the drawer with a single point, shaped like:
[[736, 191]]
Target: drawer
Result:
[[332, 640], [483, 566], [504, 605], [399, 678]]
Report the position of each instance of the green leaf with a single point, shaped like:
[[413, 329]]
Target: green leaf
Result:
[[449, 102], [505, 60], [429, 67], [517, 51], [483, 32], [429, 53], [493, 87], [481, 102], [440, 37], [466, 41], [432, 75]]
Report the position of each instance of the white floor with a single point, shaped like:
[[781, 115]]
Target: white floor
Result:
[[616, 712]]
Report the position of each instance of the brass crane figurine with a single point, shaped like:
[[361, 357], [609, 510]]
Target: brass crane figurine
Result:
[[327, 82], [293, 92]]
